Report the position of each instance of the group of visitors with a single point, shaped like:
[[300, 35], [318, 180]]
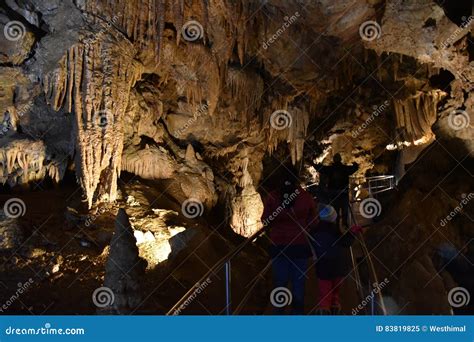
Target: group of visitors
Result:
[[301, 228]]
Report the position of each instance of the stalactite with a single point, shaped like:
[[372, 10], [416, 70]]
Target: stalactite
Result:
[[143, 21], [297, 133], [23, 161], [150, 163], [205, 11], [100, 76], [247, 89], [275, 136], [178, 13], [416, 114], [161, 27], [296, 121]]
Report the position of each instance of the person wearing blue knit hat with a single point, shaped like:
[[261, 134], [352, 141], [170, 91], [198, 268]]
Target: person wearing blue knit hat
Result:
[[327, 213], [331, 247]]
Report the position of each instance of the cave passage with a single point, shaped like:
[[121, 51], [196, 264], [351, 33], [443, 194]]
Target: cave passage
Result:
[[195, 157]]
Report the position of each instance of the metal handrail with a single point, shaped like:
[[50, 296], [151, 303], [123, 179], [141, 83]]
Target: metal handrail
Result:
[[225, 262], [371, 184], [366, 252], [358, 282], [260, 275], [218, 266]]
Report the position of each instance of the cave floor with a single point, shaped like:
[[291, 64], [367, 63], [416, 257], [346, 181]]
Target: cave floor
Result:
[[65, 260]]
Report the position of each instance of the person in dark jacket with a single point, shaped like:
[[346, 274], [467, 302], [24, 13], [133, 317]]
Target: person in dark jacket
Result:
[[331, 246], [290, 212], [337, 183]]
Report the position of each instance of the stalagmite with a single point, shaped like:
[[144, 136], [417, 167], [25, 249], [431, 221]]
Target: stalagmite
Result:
[[124, 269], [245, 209]]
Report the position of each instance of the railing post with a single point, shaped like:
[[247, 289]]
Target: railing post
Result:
[[228, 294], [372, 304]]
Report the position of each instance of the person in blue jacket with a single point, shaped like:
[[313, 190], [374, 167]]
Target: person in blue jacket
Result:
[[331, 247]]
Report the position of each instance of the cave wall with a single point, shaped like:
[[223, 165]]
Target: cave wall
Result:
[[196, 93]]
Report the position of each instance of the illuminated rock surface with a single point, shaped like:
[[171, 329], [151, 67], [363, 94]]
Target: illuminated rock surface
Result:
[[122, 97]]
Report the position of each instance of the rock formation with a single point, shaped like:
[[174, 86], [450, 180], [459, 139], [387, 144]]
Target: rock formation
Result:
[[124, 269], [198, 95]]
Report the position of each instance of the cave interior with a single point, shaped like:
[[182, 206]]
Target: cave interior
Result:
[[139, 140]]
